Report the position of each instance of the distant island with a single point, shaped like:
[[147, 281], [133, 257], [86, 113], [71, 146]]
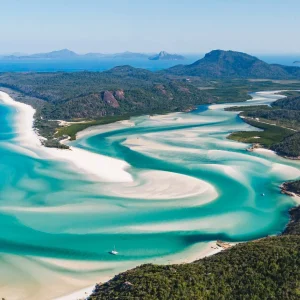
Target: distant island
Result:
[[163, 55], [68, 54], [128, 54], [297, 62], [63, 54]]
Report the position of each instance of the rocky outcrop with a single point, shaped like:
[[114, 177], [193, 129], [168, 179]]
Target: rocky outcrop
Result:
[[253, 147], [120, 95], [109, 98]]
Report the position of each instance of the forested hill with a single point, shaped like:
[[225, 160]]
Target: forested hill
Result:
[[290, 103], [232, 64], [264, 269], [92, 95]]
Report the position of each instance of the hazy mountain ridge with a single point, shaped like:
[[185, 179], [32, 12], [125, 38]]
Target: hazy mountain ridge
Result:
[[68, 54], [64, 53], [232, 64]]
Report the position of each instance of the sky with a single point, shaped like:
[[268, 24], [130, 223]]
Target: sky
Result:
[[181, 26]]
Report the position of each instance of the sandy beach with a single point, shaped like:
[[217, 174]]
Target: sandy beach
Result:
[[96, 166], [192, 254], [145, 189], [101, 168]]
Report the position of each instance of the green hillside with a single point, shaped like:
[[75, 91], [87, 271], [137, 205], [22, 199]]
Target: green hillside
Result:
[[264, 269], [232, 64]]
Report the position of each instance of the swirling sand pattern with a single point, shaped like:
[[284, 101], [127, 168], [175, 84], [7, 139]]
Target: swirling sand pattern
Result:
[[171, 185]]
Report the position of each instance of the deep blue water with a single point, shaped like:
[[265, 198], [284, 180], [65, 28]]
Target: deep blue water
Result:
[[44, 65], [101, 64]]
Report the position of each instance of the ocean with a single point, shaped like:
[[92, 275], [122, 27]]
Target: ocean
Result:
[[102, 64]]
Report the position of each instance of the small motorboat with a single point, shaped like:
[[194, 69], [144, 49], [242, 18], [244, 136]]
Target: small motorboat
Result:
[[263, 194]]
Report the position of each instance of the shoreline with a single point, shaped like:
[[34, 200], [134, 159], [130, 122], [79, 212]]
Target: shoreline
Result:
[[82, 160], [96, 166], [285, 190], [210, 249]]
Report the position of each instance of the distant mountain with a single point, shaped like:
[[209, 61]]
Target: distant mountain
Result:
[[92, 55], [231, 64], [163, 55], [68, 54], [59, 54], [65, 53], [15, 54], [128, 54]]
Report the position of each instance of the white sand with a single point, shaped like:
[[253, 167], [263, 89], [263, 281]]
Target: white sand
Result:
[[256, 97], [296, 198], [285, 172], [104, 128], [108, 169], [161, 185], [104, 168], [98, 166], [78, 295], [143, 145]]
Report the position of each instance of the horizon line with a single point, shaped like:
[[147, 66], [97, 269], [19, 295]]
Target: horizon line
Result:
[[146, 53]]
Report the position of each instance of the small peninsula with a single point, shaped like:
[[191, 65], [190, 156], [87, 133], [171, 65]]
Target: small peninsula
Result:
[[280, 123]]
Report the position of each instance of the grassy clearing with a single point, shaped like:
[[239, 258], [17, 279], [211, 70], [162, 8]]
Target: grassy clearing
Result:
[[270, 135], [248, 108], [73, 129]]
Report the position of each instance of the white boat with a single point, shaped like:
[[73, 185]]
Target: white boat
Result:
[[263, 194], [114, 252]]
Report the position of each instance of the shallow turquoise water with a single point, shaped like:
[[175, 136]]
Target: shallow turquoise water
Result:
[[191, 185]]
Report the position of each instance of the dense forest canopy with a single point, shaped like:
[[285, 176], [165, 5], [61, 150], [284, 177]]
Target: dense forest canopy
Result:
[[264, 269], [96, 94]]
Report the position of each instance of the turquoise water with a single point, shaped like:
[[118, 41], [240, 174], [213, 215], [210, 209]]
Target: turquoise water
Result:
[[190, 186]]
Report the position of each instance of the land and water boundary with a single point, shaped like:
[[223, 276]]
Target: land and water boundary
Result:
[[226, 275], [263, 269], [130, 285], [84, 99], [279, 125]]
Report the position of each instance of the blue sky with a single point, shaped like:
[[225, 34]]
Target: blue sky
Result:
[[195, 26]]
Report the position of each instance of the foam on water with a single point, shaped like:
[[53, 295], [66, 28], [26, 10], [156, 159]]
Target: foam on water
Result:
[[166, 187]]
